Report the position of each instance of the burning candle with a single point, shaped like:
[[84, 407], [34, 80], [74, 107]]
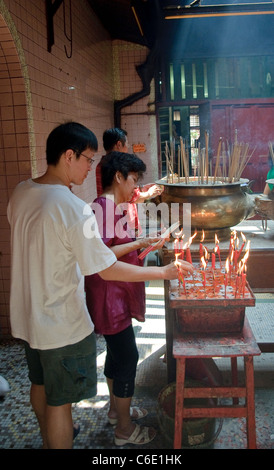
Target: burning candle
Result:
[[232, 238], [182, 251], [217, 249], [246, 255], [201, 244], [230, 243], [213, 260], [226, 273], [236, 252], [244, 261], [221, 282], [237, 284], [236, 257], [231, 262], [206, 255], [188, 255], [219, 254], [244, 280], [243, 244], [177, 266], [181, 278], [204, 273], [176, 245], [240, 272]]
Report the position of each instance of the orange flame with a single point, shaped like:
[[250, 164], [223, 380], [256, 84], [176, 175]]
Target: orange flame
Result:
[[245, 258], [203, 262], [191, 238], [243, 237], [240, 267], [207, 256], [176, 261], [179, 234]]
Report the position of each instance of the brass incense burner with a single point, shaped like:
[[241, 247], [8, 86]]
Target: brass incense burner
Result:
[[216, 206]]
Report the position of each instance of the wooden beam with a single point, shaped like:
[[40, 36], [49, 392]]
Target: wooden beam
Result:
[[191, 11]]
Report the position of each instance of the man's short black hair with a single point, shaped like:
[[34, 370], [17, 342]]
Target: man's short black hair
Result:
[[112, 136], [70, 135]]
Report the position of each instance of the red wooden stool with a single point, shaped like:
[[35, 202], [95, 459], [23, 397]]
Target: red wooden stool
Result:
[[192, 346]]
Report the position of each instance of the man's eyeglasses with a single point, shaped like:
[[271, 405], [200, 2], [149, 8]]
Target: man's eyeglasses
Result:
[[90, 160]]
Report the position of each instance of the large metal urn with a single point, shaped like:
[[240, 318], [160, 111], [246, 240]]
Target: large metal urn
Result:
[[215, 206]]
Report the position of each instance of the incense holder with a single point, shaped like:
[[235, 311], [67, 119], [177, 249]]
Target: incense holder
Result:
[[216, 206]]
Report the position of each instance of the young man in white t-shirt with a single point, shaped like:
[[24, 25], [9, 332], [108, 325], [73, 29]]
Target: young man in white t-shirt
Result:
[[55, 243]]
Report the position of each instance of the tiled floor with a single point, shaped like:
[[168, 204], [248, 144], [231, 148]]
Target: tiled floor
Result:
[[18, 427]]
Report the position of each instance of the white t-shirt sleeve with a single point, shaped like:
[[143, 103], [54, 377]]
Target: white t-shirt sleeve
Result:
[[89, 249]]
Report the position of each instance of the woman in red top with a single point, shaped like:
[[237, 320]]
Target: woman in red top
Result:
[[112, 304]]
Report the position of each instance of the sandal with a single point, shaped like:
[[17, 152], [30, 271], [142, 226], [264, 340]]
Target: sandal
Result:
[[139, 436], [133, 410]]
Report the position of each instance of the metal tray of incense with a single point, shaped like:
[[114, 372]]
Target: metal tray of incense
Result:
[[210, 305]]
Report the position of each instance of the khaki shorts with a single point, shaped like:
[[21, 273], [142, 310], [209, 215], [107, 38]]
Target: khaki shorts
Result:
[[68, 374]]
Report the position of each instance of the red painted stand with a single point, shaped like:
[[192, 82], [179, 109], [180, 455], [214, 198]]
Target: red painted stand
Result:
[[186, 346]]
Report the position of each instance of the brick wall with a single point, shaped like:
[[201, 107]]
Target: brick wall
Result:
[[39, 90]]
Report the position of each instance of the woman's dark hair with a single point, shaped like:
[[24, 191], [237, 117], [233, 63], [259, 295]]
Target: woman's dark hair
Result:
[[112, 136], [125, 163], [70, 135]]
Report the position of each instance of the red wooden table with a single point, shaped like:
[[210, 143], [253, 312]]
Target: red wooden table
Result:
[[192, 346]]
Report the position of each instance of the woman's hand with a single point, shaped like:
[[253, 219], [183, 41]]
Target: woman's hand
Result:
[[145, 242]]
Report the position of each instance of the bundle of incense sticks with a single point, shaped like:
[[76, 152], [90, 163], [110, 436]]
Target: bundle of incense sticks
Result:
[[234, 161], [166, 234]]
